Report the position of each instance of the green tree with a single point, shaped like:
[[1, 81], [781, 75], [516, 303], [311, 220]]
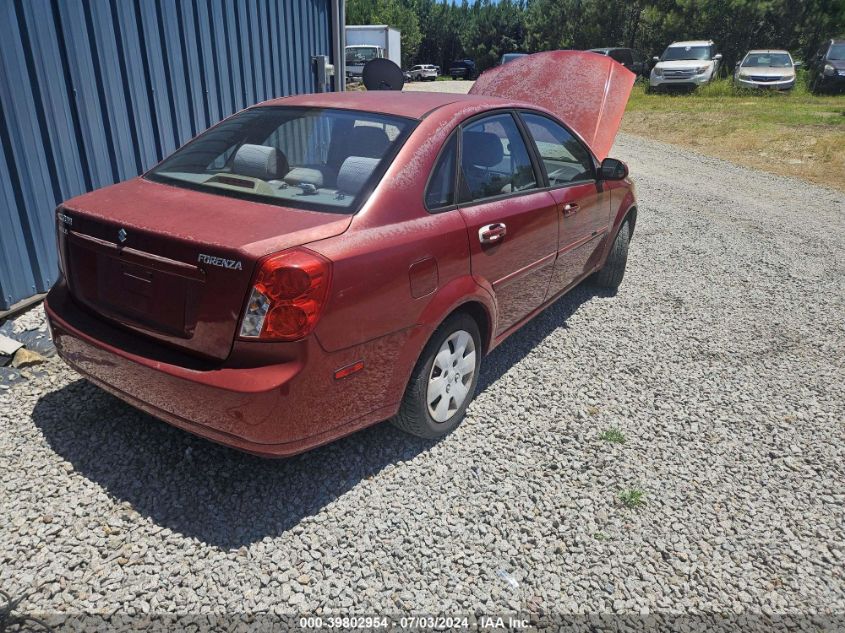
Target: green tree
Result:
[[439, 31]]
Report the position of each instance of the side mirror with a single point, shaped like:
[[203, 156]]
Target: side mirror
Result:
[[798, 64], [718, 57], [737, 64], [612, 169], [655, 59]]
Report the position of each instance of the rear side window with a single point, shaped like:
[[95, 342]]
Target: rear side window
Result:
[[441, 188], [564, 157], [494, 159]]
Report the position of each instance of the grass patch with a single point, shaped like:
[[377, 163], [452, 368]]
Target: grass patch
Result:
[[632, 498], [792, 134], [612, 435]]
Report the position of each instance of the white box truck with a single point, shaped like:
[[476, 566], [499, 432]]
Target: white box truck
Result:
[[369, 41]]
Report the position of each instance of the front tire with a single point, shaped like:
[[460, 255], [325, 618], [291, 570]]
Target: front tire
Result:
[[611, 275], [443, 381]]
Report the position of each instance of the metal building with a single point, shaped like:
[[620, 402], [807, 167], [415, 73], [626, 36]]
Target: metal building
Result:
[[93, 92]]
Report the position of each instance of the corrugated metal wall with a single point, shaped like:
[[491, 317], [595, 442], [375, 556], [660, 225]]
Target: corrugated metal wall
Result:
[[93, 92]]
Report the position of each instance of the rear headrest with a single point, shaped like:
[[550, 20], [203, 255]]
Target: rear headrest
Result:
[[483, 149], [369, 141], [354, 173], [260, 161], [305, 175]]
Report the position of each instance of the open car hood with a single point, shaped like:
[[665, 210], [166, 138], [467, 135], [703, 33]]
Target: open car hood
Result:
[[587, 91]]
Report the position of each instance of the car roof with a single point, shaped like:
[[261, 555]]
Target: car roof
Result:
[[763, 51], [415, 105], [692, 43]]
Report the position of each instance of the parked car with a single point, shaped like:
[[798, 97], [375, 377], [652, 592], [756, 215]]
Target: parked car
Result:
[[770, 69], [827, 67], [462, 69], [685, 65], [317, 263], [509, 57], [423, 72], [628, 57]]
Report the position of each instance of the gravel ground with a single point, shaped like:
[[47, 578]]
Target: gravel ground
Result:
[[719, 362]]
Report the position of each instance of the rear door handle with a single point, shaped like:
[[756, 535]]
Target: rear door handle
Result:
[[570, 207], [492, 233]]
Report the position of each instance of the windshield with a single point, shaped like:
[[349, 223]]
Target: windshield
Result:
[[361, 54], [509, 57], [317, 159], [836, 52], [676, 53], [773, 60]]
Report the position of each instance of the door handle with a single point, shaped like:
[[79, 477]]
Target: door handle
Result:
[[492, 233], [570, 207]]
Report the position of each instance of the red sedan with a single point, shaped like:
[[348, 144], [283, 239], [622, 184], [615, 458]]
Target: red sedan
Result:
[[318, 263]]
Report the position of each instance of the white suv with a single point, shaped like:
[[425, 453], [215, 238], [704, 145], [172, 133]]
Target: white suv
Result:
[[686, 65], [422, 72]]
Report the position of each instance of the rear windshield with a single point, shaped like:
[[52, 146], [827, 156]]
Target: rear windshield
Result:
[[772, 60], [317, 159], [676, 53]]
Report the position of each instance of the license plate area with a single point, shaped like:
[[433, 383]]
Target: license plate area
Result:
[[158, 294]]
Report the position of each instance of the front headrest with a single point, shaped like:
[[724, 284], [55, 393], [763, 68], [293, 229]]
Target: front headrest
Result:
[[366, 140], [354, 173], [482, 149], [260, 161]]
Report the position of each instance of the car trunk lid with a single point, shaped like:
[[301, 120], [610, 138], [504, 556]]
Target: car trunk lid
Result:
[[176, 264], [587, 91]]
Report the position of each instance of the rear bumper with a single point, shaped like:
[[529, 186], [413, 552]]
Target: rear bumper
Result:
[[273, 409]]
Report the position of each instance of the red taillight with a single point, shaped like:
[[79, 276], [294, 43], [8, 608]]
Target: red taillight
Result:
[[287, 296]]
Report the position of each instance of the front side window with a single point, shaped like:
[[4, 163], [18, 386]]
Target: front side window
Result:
[[676, 53], [564, 157], [318, 159], [622, 55], [494, 159]]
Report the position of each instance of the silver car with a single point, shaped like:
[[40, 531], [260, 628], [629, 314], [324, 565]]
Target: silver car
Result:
[[766, 69]]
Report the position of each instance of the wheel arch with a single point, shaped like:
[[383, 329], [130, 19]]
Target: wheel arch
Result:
[[480, 314], [462, 294], [631, 217]]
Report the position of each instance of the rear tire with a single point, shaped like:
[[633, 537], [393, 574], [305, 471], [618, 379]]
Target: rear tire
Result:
[[443, 381], [611, 275]]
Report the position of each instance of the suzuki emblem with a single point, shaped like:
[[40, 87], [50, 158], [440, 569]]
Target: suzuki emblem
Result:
[[121, 235]]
